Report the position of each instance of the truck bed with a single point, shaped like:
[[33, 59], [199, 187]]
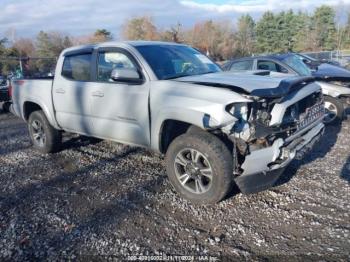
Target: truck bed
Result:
[[37, 91]]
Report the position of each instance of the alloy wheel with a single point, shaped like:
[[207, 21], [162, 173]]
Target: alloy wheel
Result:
[[331, 112], [193, 171], [38, 133]]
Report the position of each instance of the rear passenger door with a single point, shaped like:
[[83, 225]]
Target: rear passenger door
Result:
[[72, 92], [119, 110]]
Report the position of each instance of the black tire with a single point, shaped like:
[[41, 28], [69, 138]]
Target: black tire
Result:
[[337, 113], [52, 137], [214, 153]]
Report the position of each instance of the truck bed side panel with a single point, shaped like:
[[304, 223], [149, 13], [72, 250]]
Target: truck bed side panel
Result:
[[34, 91]]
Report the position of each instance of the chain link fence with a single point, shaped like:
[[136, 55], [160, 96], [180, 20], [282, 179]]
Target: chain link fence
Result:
[[27, 67], [341, 56]]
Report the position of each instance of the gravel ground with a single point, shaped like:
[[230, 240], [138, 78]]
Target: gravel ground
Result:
[[101, 200]]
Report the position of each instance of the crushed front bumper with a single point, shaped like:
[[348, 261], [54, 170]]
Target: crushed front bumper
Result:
[[262, 168]]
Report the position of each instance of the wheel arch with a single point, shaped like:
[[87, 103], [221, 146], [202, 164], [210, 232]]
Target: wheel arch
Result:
[[178, 121], [169, 130], [30, 106]]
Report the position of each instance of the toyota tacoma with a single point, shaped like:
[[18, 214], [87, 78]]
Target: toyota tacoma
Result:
[[215, 128]]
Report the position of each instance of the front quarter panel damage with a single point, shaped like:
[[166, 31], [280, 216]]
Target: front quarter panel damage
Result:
[[201, 106]]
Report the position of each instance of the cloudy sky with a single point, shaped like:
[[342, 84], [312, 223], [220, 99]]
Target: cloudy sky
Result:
[[79, 17]]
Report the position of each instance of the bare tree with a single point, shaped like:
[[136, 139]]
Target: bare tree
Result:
[[140, 28], [347, 32], [50, 45], [100, 36], [246, 34], [174, 34], [216, 39], [25, 47]]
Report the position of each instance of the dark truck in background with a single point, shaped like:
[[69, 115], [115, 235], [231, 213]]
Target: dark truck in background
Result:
[[4, 93]]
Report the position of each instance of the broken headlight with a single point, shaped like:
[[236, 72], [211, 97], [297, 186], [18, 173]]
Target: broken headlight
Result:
[[242, 129], [238, 110]]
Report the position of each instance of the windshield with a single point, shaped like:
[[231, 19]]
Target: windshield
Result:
[[297, 65], [173, 61]]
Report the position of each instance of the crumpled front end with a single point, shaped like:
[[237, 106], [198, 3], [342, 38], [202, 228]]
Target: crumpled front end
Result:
[[271, 132], [261, 168]]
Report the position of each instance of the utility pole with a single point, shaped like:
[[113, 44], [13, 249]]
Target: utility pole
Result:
[[21, 64]]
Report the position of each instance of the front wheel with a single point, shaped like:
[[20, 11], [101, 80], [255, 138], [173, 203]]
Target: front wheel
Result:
[[334, 110], [45, 138], [199, 167]]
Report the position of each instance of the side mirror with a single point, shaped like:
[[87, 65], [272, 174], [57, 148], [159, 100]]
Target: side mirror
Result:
[[127, 75]]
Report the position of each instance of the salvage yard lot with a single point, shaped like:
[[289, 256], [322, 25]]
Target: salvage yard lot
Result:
[[102, 199]]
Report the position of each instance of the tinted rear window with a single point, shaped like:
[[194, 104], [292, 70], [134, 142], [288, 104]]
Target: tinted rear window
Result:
[[77, 67]]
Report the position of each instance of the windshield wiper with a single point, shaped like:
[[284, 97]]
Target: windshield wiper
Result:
[[208, 72], [184, 75], [176, 76]]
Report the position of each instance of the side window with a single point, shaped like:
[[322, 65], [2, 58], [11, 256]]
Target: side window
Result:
[[77, 67], [107, 61], [242, 65], [271, 66], [283, 69], [267, 65]]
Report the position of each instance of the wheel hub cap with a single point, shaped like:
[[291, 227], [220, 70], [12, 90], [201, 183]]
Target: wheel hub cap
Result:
[[331, 112], [193, 171], [39, 137]]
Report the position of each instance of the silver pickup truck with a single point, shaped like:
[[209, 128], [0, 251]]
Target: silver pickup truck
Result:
[[215, 128]]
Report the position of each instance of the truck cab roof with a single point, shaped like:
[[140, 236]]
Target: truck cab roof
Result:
[[118, 44]]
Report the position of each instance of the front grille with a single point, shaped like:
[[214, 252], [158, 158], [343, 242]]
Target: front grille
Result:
[[305, 111]]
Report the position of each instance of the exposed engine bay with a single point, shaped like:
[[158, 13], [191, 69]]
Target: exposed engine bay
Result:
[[274, 129]]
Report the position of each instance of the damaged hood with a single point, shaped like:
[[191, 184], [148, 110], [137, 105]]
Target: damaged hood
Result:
[[241, 82], [332, 72]]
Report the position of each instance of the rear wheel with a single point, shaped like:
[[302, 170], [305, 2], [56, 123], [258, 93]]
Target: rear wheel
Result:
[[199, 166], [334, 111], [45, 137]]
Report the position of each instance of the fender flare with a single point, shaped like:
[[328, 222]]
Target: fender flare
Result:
[[203, 120], [45, 109]]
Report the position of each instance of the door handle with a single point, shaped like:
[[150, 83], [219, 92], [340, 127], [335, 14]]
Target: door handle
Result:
[[60, 91], [98, 94]]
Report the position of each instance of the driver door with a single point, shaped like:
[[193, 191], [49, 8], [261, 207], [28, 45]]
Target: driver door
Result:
[[119, 110]]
